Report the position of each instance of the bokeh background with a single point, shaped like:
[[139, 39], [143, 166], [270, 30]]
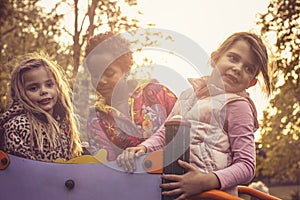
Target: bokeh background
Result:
[[62, 28]]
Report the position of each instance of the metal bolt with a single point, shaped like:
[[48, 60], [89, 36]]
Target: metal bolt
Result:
[[148, 164], [70, 184], [4, 161]]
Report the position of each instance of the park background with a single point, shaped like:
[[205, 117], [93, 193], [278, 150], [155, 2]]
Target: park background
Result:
[[61, 28]]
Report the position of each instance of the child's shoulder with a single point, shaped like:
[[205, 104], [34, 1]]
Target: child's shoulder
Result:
[[156, 86], [151, 88], [151, 84], [14, 110], [17, 121]]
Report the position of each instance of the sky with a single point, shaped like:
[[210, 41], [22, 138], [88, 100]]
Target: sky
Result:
[[207, 23]]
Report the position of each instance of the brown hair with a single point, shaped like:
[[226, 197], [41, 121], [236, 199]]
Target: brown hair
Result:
[[258, 48]]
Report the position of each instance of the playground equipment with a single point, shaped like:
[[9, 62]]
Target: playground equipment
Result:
[[92, 178]]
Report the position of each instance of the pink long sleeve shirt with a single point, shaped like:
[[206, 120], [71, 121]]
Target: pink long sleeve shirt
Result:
[[240, 127]]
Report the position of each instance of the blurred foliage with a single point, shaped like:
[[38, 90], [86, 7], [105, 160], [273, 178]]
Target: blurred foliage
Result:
[[97, 16], [90, 18], [37, 25], [25, 28], [278, 152], [295, 195], [100, 16]]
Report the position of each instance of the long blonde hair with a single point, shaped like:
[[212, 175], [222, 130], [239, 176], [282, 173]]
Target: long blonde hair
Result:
[[37, 116]]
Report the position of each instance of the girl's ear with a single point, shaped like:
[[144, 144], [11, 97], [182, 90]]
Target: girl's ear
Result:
[[252, 83], [212, 63]]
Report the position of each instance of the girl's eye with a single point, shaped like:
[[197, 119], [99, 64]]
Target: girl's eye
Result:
[[233, 58], [33, 88], [109, 74], [250, 69], [50, 84]]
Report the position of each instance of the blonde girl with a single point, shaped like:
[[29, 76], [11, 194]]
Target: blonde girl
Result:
[[40, 123]]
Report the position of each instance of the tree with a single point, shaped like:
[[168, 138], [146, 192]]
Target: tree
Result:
[[24, 28], [105, 14], [280, 130], [91, 17]]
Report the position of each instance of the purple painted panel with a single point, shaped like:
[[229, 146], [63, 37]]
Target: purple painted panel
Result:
[[27, 179]]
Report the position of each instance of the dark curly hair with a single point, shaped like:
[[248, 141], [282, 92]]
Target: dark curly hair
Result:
[[114, 45]]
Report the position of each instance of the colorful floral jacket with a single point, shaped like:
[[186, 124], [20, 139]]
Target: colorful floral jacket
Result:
[[112, 130]]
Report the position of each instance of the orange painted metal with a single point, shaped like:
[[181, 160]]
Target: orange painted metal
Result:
[[215, 195], [153, 163], [4, 160], [256, 193]]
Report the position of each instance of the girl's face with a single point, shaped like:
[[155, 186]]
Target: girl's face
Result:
[[40, 88], [109, 78], [236, 68]]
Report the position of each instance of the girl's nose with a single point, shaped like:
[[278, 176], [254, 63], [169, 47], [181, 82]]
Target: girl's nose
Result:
[[103, 80], [237, 68], [43, 91]]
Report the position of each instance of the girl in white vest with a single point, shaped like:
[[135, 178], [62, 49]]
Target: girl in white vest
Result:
[[223, 121]]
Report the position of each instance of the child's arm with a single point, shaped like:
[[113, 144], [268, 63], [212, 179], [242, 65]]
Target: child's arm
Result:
[[126, 159], [157, 141], [240, 126]]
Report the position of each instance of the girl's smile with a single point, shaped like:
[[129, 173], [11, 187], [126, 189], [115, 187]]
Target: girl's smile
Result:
[[231, 78], [235, 69], [45, 101], [40, 88]]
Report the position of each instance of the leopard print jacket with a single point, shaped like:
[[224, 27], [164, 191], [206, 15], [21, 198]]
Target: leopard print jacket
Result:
[[16, 137]]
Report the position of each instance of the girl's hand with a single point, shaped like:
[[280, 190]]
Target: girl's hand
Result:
[[127, 158], [191, 183]]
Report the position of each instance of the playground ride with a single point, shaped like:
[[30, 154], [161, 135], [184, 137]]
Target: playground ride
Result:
[[92, 177]]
